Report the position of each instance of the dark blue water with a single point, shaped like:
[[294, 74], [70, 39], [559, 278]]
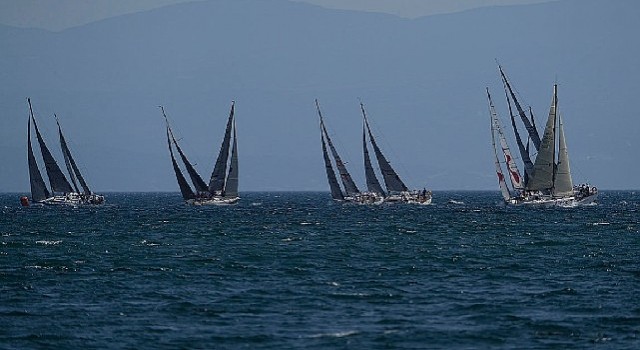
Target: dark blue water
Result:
[[295, 270]]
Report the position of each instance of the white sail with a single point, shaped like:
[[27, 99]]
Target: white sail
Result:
[[504, 189], [543, 167], [495, 127], [563, 185], [514, 174]]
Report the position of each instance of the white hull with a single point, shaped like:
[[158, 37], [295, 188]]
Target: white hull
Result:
[[367, 198], [548, 201], [74, 199], [214, 201], [410, 198]]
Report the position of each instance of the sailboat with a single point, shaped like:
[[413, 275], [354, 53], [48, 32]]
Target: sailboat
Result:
[[61, 190], [223, 185], [547, 179], [397, 191], [351, 192]]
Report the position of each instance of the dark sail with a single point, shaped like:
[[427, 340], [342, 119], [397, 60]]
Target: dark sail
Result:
[[391, 178], [56, 178], [72, 168], [216, 184], [336, 192], [196, 179], [524, 151], [39, 189], [231, 187], [349, 185], [533, 132], [185, 189], [373, 185]]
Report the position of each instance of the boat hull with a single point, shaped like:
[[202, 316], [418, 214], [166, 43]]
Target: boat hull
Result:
[[565, 202], [367, 198], [74, 199], [415, 197], [214, 201]]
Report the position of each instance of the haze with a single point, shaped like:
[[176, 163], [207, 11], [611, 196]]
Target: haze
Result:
[[105, 68]]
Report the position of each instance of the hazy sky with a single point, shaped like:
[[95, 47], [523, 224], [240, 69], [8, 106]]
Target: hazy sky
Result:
[[61, 14], [423, 82]]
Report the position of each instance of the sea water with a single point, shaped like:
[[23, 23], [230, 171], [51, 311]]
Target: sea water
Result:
[[296, 270]]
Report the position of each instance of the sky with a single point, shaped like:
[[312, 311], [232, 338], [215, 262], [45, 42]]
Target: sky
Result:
[[423, 81], [58, 15]]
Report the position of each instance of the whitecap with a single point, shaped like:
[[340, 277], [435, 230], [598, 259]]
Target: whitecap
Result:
[[49, 242], [334, 335]]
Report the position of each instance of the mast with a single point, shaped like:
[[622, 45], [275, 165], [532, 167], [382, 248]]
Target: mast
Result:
[[185, 189], [336, 192], [349, 185], [514, 173], [196, 179], [495, 125], [72, 167], [563, 185], [524, 151], [216, 184], [391, 178], [57, 179], [39, 189], [544, 166], [231, 187], [533, 132]]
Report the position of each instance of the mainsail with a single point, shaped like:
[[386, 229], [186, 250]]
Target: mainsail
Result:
[[495, 127], [217, 182], [39, 189], [373, 185], [544, 166], [57, 179], [533, 132], [336, 192], [524, 150], [196, 179], [514, 173], [391, 179], [72, 168], [349, 185], [185, 189], [231, 186]]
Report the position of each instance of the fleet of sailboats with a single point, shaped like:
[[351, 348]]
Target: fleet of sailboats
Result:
[[396, 190], [223, 185], [61, 191], [547, 179]]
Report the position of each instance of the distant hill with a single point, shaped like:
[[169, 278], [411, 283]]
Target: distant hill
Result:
[[422, 81]]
